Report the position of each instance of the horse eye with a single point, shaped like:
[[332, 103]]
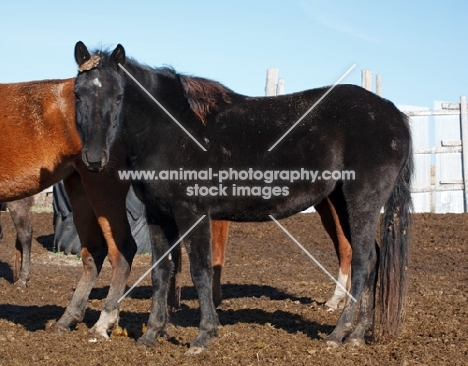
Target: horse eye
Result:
[[119, 98]]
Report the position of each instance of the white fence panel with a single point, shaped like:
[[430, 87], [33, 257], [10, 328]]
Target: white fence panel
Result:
[[448, 167], [423, 169], [439, 146]]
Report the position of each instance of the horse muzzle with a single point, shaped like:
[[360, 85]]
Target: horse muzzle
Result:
[[95, 162]]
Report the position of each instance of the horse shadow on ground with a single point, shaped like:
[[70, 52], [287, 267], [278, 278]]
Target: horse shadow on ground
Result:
[[35, 318], [47, 241], [190, 317], [31, 317], [6, 272], [230, 291]]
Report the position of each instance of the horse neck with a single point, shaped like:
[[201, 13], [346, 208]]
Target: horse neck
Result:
[[164, 86]]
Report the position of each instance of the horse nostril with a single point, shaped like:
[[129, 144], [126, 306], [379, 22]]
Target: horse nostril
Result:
[[105, 157], [84, 156], [92, 164], [94, 167]]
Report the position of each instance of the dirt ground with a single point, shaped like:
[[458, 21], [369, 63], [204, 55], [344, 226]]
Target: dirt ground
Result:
[[273, 303]]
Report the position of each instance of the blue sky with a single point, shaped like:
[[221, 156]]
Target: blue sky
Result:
[[419, 48]]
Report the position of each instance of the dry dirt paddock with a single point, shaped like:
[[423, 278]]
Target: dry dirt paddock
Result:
[[273, 309]]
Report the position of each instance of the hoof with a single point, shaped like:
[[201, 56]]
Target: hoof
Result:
[[332, 305], [145, 341], [59, 329], [21, 284], [94, 335], [194, 351], [333, 342], [355, 342], [330, 308]]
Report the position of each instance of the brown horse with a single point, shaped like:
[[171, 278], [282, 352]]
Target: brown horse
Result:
[[39, 145], [331, 223], [19, 211]]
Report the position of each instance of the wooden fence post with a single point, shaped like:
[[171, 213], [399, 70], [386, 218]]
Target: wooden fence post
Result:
[[464, 137], [271, 81], [366, 79], [280, 88], [378, 85]]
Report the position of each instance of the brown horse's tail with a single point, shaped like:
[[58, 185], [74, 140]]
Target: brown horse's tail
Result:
[[394, 251]]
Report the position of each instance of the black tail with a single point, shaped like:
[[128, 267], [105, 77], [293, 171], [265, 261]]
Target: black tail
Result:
[[394, 251]]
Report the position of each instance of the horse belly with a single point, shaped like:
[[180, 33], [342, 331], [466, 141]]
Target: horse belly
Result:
[[25, 176]]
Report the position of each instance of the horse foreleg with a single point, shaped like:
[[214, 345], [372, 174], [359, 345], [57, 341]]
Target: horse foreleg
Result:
[[163, 235], [175, 288], [107, 197], [219, 235], [331, 223], [198, 247], [93, 252], [19, 211]]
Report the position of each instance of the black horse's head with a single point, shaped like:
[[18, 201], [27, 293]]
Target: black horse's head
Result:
[[99, 89]]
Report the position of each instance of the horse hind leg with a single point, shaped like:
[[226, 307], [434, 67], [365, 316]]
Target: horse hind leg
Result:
[[363, 218], [219, 235], [365, 320], [332, 225], [19, 211]]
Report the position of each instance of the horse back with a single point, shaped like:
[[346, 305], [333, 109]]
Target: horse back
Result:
[[38, 135]]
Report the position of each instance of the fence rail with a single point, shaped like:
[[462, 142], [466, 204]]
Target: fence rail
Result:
[[445, 188]]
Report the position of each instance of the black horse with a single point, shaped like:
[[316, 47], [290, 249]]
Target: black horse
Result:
[[351, 130]]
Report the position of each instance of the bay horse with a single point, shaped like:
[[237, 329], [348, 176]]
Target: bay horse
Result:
[[19, 212], [351, 130], [39, 146]]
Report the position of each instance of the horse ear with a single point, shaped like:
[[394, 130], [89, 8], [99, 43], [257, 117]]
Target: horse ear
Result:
[[81, 53], [118, 55]]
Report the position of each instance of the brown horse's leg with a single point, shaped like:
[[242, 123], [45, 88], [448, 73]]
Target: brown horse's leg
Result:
[[219, 235], [93, 252], [19, 211], [331, 223], [107, 196]]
